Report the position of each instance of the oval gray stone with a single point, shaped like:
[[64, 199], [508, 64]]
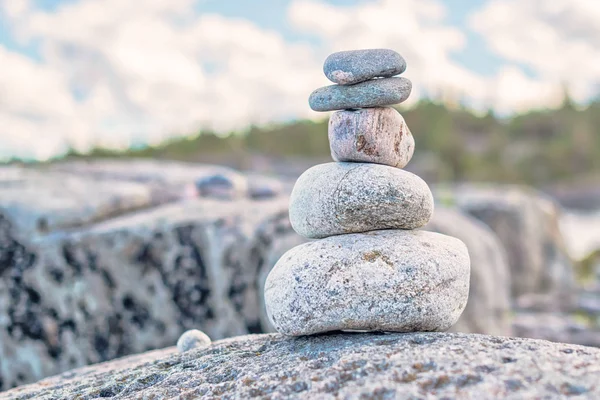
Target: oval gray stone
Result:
[[192, 339], [373, 93], [402, 281], [337, 198], [374, 135], [350, 67]]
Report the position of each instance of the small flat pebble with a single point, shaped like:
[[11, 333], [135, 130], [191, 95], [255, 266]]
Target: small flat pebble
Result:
[[373, 93], [337, 198], [192, 339], [218, 186], [374, 135], [350, 67], [392, 280]]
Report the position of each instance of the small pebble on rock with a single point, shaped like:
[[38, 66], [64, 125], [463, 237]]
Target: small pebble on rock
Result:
[[192, 339], [373, 93], [355, 66], [375, 135]]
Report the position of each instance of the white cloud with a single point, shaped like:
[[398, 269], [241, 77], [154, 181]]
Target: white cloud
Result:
[[15, 8], [559, 39], [511, 89], [140, 73], [415, 28], [115, 73], [419, 31], [35, 107]]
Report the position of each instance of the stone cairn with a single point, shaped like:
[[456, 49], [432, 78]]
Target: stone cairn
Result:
[[370, 270]]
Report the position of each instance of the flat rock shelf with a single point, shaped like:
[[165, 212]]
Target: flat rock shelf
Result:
[[348, 366]]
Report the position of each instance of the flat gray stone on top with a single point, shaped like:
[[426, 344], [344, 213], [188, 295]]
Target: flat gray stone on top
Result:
[[373, 93], [340, 366], [392, 280], [337, 198], [373, 135], [354, 66]]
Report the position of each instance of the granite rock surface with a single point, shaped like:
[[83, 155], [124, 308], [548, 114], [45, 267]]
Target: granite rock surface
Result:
[[116, 271], [129, 285], [59, 232], [348, 366]]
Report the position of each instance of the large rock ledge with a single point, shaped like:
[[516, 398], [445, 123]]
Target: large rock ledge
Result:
[[361, 366]]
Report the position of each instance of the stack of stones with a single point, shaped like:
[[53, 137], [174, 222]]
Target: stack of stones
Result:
[[370, 270]]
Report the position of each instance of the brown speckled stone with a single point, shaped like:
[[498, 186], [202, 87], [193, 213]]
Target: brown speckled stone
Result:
[[391, 280], [373, 135], [336, 198]]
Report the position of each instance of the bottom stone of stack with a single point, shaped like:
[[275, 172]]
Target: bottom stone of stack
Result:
[[390, 280]]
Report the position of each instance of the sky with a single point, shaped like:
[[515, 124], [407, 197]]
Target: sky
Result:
[[114, 73]]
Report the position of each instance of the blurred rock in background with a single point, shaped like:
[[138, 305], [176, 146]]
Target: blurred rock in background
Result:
[[527, 224], [103, 259], [489, 305]]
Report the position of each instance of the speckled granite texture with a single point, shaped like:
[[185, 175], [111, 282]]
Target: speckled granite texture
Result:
[[338, 198], [101, 281], [340, 366], [374, 93], [393, 280]]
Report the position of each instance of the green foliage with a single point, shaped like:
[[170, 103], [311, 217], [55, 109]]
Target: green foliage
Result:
[[536, 147], [584, 270]]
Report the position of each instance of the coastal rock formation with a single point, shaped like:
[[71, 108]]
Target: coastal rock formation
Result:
[[129, 284], [349, 366]]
